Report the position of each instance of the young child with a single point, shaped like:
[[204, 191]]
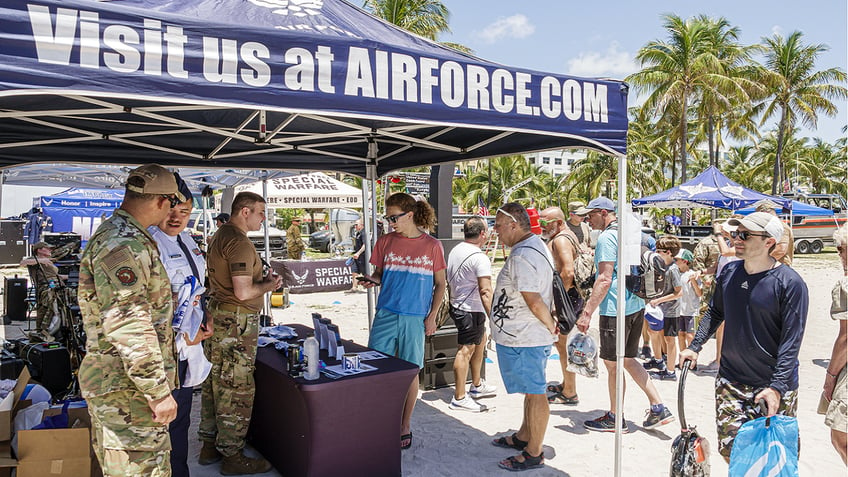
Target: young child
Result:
[[690, 301], [667, 247]]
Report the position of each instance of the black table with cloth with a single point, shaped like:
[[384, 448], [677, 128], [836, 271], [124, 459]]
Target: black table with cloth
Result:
[[348, 426]]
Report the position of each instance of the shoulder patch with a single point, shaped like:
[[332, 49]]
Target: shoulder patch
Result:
[[117, 257], [238, 267], [126, 276]]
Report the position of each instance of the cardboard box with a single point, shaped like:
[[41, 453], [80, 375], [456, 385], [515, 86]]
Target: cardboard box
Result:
[[54, 452], [10, 405]]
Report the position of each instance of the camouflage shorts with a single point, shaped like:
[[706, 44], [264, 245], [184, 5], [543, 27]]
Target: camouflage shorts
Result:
[[735, 406]]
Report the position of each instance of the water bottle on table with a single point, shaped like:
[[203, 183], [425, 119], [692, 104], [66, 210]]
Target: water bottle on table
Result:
[[311, 353]]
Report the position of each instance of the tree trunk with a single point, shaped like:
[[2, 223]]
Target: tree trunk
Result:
[[683, 134], [711, 141], [781, 137]]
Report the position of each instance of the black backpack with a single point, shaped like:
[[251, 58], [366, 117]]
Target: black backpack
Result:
[[565, 313]]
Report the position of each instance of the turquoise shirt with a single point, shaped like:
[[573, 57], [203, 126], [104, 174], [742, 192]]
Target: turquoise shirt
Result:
[[606, 250]]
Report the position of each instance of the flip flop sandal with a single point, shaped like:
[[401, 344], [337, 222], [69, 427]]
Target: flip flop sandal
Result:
[[512, 464], [517, 443], [554, 388], [560, 398], [406, 437]]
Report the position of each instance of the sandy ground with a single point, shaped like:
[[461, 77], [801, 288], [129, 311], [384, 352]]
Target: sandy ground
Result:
[[454, 443]]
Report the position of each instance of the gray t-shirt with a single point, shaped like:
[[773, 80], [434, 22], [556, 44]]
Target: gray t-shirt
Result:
[[526, 270], [581, 231], [671, 309]]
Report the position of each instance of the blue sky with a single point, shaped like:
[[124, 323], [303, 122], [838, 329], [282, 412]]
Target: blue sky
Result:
[[602, 38]]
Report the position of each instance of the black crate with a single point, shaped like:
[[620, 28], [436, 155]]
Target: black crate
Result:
[[49, 364], [439, 353], [10, 365]]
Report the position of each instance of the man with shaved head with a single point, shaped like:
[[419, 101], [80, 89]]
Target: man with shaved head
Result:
[[563, 245]]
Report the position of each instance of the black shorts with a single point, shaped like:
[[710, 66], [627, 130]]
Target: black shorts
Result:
[[670, 326], [470, 326], [632, 333]]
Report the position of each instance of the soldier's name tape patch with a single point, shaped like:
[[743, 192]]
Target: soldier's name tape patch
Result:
[[126, 276]]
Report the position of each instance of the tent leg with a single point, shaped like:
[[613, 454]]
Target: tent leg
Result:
[[369, 210], [266, 307], [620, 311]]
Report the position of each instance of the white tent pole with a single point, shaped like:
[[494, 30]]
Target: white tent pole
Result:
[[620, 309], [267, 300], [371, 235]]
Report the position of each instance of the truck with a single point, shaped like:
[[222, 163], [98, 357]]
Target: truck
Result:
[[812, 233], [200, 221]]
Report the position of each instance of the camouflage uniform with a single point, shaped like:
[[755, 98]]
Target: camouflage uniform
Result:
[[42, 274], [706, 256], [228, 392], [294, 244], [125, 297]]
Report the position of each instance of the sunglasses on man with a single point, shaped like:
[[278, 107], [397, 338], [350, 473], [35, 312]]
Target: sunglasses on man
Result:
[[173, 200], [743, 235]]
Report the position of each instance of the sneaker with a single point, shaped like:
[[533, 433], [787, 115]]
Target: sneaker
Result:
[[659, 419], [606, 423], [653, 364], [664, 375], [482, 391], [467, 404], [645, 353]]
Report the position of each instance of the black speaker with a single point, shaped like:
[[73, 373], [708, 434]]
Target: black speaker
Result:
[[10, 365], [14, 298], [439, 353], [49, 364]]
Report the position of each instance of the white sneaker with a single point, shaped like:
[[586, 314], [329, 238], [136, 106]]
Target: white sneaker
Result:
[[467, 404], [483, 390]]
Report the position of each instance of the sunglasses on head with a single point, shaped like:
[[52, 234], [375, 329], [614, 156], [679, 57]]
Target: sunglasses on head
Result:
[[507, 214], [173, 200], [744, 234], [392, 219]]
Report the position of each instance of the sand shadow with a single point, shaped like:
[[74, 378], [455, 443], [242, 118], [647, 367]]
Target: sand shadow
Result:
[[822, 362], [462, 449]]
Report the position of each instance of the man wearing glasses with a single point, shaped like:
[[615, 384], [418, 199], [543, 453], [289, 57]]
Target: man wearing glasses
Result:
[[604, 297], [129, 369], [763, 305], [524, 330]]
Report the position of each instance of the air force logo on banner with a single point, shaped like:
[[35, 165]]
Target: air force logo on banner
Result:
[[298, 8]]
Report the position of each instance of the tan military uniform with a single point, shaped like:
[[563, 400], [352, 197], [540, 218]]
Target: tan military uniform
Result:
[[706, 256], [294, 244], [228, 392], [125, 297], [42, 274], [789, 240]]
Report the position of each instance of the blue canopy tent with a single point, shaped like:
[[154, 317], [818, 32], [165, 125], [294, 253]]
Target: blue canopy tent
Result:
[[246, 84], [709, 189], [798, 208]]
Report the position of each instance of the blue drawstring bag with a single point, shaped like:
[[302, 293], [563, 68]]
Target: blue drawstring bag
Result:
[[766, 446]]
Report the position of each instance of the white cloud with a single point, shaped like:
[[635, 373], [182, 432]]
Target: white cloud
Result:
[[613, 63], [777, 30], [514, 26]]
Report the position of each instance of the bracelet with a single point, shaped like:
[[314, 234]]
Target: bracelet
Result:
[[831, 375]]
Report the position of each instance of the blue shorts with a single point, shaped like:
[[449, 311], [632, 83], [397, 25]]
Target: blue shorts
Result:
[[523, 369], [398, 335]]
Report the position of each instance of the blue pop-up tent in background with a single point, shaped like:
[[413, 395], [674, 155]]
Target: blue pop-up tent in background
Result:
[[81, 210]]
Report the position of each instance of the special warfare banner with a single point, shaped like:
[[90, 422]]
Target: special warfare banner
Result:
[[313, 276], [292, 54]]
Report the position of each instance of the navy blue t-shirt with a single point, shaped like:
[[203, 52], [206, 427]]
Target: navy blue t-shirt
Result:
[[764, 315]]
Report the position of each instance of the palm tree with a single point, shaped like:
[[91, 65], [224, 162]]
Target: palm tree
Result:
[[507, 171], [796, 89], [427, 18], [674, 70], [823, 168]]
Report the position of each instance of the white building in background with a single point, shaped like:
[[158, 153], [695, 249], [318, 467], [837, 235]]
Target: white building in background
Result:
[[558, 161]]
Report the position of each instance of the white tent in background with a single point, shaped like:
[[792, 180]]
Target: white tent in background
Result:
[[315, 190]]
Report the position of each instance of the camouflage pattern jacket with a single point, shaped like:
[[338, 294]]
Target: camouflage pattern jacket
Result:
[[125, 297]]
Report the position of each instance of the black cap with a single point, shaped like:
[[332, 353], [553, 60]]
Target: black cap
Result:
[[223, 217], [182, 187]]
